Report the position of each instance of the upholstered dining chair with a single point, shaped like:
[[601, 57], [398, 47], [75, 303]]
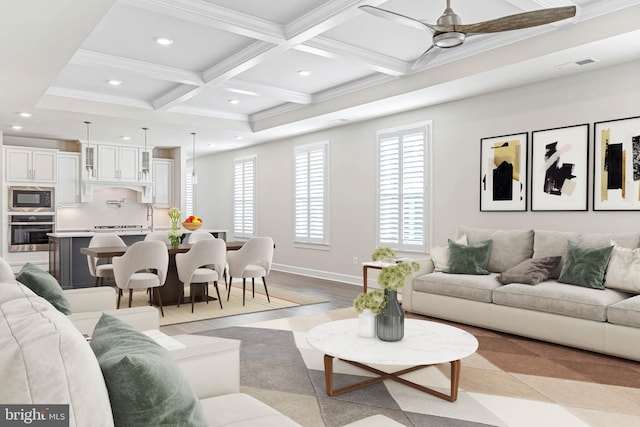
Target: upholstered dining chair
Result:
[[251, 261], [203, 264], [97, 270], [161, 236], [143, 266], [199, 235]]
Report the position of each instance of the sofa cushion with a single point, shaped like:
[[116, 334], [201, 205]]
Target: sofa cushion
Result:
[[623, 271], [469, 259], [554, 243], [46, 360], [146, 386], [530, 271], [508, 248], [585, 266], [477, 288], [553, 297], [625, 312], [45, 285], [440, 255]]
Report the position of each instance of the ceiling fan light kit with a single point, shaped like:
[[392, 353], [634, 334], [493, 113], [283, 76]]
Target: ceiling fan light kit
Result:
[[449, 32]]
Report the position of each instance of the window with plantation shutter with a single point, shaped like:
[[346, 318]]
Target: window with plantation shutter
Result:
[[311, 193], [243, 197], [402, 188]]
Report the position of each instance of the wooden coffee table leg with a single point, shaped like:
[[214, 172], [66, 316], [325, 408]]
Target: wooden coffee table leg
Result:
[[455, 379], [328, 374]]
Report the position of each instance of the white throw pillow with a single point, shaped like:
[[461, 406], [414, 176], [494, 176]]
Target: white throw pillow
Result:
[[623, 271], [440, 254]]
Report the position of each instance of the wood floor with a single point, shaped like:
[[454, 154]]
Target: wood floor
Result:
[[338, 295]]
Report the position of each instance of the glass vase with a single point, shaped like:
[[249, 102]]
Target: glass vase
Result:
[[390, 322], [367, 324]]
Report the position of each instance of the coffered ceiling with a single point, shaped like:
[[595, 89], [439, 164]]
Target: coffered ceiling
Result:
[[232, 73]]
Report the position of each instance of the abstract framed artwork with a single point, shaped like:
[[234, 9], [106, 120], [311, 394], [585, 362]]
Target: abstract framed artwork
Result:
[[616, 159], [559, 168], [503, 172]]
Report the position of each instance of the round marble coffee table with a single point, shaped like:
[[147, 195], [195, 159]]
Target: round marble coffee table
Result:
[[424, 344]]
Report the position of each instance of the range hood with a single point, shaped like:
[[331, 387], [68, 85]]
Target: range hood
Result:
[[144, 189]]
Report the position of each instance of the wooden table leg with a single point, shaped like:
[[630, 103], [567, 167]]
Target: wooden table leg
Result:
[[455, 379], [364, 278], [328, 374]]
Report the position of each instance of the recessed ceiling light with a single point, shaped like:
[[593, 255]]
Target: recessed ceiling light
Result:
[[16, 127], [126, 138], [234, 101], [114, 82], [25, 114], [164, 41], [304, 72]]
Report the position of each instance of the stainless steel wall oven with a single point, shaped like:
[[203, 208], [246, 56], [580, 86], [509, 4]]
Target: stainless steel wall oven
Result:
[[28, 232]]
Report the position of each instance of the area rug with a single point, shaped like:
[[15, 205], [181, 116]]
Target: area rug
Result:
[[280, 298], [510, 381]]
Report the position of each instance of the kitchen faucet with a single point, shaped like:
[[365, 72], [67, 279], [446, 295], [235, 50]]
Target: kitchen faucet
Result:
[[150, 214]]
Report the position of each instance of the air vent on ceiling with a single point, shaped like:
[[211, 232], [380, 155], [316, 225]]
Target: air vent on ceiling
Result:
[[576, 64]]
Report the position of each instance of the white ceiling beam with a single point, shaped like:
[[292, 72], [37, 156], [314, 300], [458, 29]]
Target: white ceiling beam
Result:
[[380, 63], [98, 97], [214, 16], [87, 58]]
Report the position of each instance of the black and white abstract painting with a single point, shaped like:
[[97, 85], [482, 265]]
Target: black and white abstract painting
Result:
[[559, 165], [503, 173], [616, 181]]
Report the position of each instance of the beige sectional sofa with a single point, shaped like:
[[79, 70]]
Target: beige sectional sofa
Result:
[[601, 320], [45, 359]]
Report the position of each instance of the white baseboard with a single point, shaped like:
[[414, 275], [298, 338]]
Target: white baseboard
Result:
[[319, 274]]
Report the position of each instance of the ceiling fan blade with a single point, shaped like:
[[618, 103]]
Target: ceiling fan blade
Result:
[[519, 21], [428, 56], [398, 18]]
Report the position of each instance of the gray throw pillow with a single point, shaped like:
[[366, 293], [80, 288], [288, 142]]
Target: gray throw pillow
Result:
[[146, 387], [45, 285], [585, 266], [530, 271], [469, 259]]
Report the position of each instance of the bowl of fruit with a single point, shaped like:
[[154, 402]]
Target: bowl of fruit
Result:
[[192, 223]]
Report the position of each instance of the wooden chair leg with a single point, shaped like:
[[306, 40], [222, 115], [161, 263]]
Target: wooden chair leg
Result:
[[97, 282], [119, 297], [157, 290], [218, 293], [264, 282], [130, 296], [181, 294], [206, 292], [193, 298], [229, 288], [244, 288], [253, 287]]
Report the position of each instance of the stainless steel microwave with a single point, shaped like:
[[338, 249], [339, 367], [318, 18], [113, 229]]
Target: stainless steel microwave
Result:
[[32, 199]]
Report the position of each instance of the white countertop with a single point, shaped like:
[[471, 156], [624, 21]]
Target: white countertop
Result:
[[90, 232]]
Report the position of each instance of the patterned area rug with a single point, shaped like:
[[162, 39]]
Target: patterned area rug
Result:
[[510, 381], [280, 298]]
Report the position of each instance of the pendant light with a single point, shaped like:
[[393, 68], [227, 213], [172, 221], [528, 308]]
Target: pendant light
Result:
[[145, 157], [88, 154], [193, 171]]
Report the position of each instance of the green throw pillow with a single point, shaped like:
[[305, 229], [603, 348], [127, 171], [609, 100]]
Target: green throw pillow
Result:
[[585, 266], [469, 259], [45, 285], [146, 387]]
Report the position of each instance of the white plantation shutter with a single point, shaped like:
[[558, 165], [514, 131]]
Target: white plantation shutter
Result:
[[311, 193], [401, 186], [243, 197]]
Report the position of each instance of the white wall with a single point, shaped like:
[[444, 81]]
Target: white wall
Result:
[[457, 129]]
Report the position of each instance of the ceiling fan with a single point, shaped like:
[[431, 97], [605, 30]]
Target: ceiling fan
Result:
[[449, 32]]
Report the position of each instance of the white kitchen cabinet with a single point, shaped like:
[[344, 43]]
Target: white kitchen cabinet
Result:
[[30, 165], [118, 163], [68, 190], [163, 188]]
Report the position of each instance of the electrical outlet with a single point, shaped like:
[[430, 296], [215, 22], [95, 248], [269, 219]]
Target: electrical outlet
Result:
[[355, 259]]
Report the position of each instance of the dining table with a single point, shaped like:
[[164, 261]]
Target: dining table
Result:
[[170, 292]]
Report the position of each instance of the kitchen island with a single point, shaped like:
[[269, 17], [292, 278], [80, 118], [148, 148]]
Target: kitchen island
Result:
[[70, 267]]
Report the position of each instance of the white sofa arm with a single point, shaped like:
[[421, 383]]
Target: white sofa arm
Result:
[[210, 364], [426, 266], [142, 318], [91, 299]]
